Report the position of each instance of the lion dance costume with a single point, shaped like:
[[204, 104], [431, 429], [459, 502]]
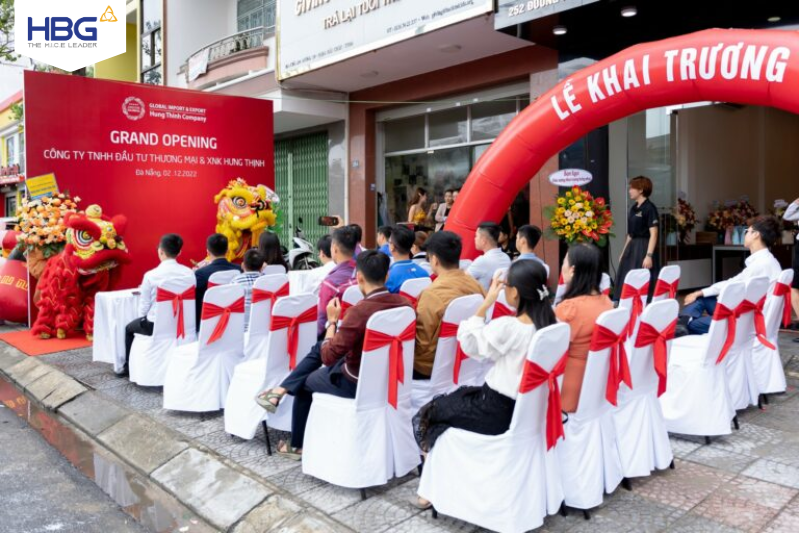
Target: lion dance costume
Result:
[[243, 213], [87, 265]]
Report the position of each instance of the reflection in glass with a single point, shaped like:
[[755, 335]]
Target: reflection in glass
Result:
[[405, 134], [448, 127], [489, 118]]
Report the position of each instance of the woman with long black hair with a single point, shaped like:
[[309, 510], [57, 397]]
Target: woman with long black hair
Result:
[[269, 245]]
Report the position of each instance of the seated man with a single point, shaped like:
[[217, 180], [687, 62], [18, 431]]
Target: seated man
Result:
[[339, 352], [444, 251], [527, 238], [168, 250], [252, 263], [343, 248], [217, 249], [384, 234], [695, 318], [403, 268], [493, 258]]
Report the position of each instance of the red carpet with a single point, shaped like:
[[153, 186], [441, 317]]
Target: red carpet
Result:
[[30, 345]]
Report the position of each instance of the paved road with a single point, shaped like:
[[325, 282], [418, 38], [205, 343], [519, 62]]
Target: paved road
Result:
[[41, 492]]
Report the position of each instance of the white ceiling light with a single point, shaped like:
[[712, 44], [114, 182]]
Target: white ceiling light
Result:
[[560, 30], [629, 11], [774, 19]]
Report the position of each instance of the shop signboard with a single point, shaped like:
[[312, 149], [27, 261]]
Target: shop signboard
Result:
[[317, 33], [570, 177], [156, 155], [512, 12], [42, 186]]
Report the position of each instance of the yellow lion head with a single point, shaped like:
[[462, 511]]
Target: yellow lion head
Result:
[[243, 213]]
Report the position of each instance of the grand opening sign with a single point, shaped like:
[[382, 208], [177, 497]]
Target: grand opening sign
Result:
[[154, 154]]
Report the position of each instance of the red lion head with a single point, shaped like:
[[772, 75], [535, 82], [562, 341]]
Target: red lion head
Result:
[[95, 241]]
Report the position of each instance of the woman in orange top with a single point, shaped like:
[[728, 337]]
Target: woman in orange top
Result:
[[582, 304]]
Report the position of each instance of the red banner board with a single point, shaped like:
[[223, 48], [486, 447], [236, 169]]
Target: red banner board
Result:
[[156, 155]]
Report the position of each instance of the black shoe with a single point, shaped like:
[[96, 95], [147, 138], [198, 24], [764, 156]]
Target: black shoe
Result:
[[792, 326], [681, 330], [122, 373]]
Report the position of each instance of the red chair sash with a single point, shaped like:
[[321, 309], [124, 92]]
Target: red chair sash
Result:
[[663, 287], [629, 291], [163, 295], [785, 291], [758, 319], [448, 330], [345, 306], [534, 376], [211, 285], [375, 339], [293, 335], [410, 298], [723, 313], [607, 291], [649, 335], [261, 295], [501, 310], [211, 311], [618, 371]]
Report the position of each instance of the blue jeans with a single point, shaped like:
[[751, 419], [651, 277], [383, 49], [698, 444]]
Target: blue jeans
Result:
[[700, 313]]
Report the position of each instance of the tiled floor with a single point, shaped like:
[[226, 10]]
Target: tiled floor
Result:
[[744, 482]]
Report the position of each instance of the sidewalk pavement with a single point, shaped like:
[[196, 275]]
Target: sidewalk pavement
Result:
[[744, 482]]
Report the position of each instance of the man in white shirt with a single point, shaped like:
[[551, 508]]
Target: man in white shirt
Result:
[[760, 237], [168, 250], [493, 258]]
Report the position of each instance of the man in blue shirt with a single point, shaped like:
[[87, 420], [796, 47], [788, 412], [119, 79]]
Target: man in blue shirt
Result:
[[384, 234], [527, 238], [403, 268]]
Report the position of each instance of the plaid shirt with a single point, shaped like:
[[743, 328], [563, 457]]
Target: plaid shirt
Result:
[[247, 280]]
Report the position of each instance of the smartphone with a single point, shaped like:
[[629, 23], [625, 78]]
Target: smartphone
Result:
[[328, 221]]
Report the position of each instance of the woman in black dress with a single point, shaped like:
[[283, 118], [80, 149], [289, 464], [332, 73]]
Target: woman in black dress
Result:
[[640, 245]]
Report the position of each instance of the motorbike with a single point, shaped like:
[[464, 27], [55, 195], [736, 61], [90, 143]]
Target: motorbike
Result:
[[301, 256]]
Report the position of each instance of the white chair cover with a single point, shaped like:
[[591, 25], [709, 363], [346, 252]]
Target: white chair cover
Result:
[[641, 432], [412, 288], [500, 308], [636, 282], [605, 284], [222, 278], [272, 270], [373, 441], [352, 295], [442, 375], [697, 401], [198, 374], [669, 277], [589, 455], [561, 288], [739, 364], [767, 364], [148, 359], [242, 413], [502, 482], [255, 340]]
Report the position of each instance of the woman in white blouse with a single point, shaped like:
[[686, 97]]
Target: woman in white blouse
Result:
[[488, 409]]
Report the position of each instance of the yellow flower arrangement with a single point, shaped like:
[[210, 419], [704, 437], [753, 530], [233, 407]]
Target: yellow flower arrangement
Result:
[[41, 223], [579, 217]]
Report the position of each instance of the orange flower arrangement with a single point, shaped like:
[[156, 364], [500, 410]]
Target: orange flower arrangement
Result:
[[42, 225]]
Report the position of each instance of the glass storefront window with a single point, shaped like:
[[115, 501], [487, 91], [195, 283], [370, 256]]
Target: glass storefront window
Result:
[[251, 14], [489, 118], [151, 15], [151, 47], [448, 127], [650, 154], [405, 134]]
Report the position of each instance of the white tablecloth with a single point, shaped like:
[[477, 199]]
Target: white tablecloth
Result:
[[112, 312]]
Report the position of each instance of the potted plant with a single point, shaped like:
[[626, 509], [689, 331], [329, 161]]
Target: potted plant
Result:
[[686, 219]]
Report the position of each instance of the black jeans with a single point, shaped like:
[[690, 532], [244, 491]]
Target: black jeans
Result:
[[308, 377], [142, 326]]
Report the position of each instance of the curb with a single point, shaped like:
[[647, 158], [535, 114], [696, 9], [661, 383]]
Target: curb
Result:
[[226, 496]]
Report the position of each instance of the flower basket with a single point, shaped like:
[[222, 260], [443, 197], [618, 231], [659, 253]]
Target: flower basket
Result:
[[579, 217]]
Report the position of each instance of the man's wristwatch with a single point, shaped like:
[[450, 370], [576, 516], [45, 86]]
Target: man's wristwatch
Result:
[[650, 255], [329, 324]]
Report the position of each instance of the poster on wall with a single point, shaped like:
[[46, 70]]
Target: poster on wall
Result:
[[317, 33], [157, 156]]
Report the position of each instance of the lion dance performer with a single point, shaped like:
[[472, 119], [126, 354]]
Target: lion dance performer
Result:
[[87, 265], [243, 213]]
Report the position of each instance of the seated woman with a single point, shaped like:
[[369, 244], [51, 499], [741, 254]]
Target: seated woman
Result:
[[488, 409], [269, 245], [583, 302]]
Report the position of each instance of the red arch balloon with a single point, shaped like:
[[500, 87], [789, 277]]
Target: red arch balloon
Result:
[[756, 67]]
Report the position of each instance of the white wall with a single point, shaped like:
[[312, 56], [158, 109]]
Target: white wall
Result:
[[192, 24]]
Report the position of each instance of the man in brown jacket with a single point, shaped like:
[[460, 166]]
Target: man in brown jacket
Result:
[[444, 250], [339, 351]]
